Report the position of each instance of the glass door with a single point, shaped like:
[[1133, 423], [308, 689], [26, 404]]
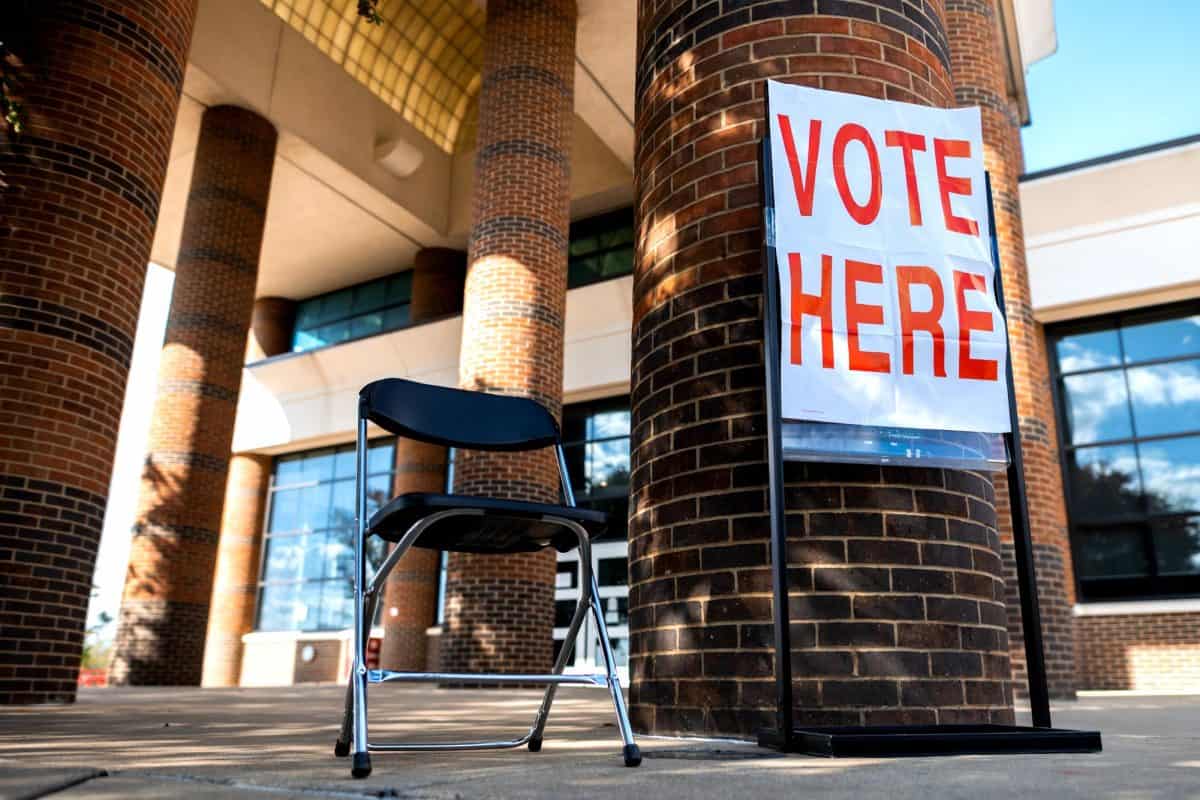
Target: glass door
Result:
[[610, 565]]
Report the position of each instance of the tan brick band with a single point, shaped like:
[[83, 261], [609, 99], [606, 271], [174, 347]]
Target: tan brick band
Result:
[[76, 224], [897, 596], [499, 610], [980, 78], [164, 613]]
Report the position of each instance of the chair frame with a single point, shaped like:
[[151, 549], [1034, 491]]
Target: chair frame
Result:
[[353, 740]]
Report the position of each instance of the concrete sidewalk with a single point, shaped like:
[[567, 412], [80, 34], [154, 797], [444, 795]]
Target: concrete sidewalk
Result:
[[271, 743]]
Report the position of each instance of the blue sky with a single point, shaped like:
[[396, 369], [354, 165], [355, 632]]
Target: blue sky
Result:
[[1126, 74]]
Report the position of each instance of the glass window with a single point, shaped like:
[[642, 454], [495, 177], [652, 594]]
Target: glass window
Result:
[[596, 444], [308, 561], [600, 248], [1104, 480], [356, 312], [1128, 391], [1165, 338], [1086, 351], [1113, 553], [1165, 397], [1097, 407], [1177, 546]]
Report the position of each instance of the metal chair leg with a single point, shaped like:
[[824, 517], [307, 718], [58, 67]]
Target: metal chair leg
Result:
[[341, 747], [581, 611], [633, 755], [360, 766], [370, 598]]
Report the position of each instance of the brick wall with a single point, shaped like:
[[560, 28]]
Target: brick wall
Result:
[[897, 591], [980, 79], [164, 611], [235, 582], [499, 610], [410, 597], [1146, 652], [77, 218]]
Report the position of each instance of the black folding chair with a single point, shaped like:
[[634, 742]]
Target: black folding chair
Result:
[[477, 421]]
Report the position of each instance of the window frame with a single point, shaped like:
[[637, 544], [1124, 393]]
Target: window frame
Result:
[[349, 316], [594, 226], [1153, 586], [261, 583]]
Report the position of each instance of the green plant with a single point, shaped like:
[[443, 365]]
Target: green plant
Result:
[[96, 651]]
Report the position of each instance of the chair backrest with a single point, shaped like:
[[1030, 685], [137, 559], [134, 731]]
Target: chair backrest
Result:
[[458, 418]]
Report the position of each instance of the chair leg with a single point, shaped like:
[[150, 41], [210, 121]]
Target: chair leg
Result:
[[633, 755], [360, 766], [341, 748], [543, 714]]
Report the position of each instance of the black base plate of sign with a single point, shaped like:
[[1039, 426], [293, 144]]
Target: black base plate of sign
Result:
[[932, 740]]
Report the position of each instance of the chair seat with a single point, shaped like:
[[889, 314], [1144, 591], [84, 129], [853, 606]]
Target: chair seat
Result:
[[505, 526]]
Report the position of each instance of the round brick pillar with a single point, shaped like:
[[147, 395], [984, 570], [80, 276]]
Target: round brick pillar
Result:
[[980, 79], [896, 585], [272, 326], [76, 223], [500, 610], [164, 611], [235, 582], [410, 597]]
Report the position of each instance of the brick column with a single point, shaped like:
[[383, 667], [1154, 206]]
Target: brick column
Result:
[[235, 582], [499, 610], [164, 612], [980, 79], [410, 598], [101, 91], [897, 594], [272, 326]]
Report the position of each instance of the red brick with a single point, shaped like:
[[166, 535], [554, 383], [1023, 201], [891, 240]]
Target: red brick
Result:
[[513, 310], [164, 610], [72, 265]]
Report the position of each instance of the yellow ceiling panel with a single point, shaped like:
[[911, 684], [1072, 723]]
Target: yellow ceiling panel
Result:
[[439, 41]]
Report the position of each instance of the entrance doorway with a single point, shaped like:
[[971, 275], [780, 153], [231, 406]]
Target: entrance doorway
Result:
[[610, 565]]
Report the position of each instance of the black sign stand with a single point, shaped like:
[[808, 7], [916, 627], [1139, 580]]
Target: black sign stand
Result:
[[899, 740]]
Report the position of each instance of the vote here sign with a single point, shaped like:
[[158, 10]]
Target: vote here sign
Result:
[[881, 238]]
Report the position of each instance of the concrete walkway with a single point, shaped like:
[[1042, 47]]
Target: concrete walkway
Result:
[[270, 743]]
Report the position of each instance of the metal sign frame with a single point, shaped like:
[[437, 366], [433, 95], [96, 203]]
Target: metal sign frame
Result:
[[897, 740]]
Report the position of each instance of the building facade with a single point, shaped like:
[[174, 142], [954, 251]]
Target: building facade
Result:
[[560, 200]]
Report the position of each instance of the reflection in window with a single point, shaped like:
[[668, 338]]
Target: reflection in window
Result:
[[1165, 397], [596, 444], [1097, 407], [355, 312], [1104, 480], [600, 248], [1129, 397], [308, 563], [1113, 553], [1177, 546]]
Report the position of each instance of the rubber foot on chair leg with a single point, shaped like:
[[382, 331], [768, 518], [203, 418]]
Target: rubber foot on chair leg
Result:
[[362, 765], [535, 745], [341, 749], [633, 756]]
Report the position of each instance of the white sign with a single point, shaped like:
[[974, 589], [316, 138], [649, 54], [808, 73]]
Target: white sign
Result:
[[881, 239]]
